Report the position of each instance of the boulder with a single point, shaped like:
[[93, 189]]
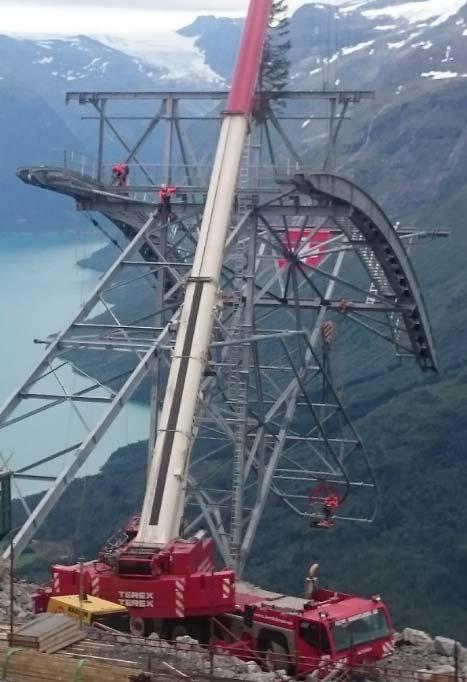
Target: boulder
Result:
[[443, 673], [415, 637], [221, 672], [252, 667], [424, 675], [261, 677], [186, 639], [445, 646]]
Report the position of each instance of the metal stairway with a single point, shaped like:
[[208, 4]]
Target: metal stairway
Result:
[[379, 283]]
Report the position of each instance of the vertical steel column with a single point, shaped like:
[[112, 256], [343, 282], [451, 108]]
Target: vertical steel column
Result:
[[100, 149], [330, 162], [240, 460], [168, 154]]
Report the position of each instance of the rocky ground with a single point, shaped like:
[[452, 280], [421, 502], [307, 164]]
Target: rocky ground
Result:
[[22, 605], [435, 659], [418, 655], [186, 656]]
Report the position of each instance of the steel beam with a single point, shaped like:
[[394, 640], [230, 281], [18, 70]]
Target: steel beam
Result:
[[215, 95]]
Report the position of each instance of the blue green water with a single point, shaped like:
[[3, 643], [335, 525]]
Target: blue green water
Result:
[[41, 289]]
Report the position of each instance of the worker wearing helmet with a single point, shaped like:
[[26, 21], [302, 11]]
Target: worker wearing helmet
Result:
[[165, 203], [330, 507], [119, 174]]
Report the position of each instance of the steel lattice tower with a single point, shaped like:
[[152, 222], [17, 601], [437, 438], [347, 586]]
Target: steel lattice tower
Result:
[[310, 256]]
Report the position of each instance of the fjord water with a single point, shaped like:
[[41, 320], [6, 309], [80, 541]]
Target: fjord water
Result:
[[41, 290]]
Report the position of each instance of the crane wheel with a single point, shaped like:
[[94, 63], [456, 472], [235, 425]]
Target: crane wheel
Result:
[[171, 629], [274, 654], [140, 627], [196, 628], [276, 657], [179, 630]]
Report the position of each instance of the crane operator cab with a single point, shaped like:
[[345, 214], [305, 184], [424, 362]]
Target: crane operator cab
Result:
[[358, 638]]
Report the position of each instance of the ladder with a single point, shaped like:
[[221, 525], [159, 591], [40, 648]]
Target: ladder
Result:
[[238, 379]]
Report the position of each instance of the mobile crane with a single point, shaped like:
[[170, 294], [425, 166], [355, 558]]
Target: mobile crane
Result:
[[168, 584]]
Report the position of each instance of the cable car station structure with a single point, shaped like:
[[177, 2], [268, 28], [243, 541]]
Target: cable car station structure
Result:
[[308, 254]]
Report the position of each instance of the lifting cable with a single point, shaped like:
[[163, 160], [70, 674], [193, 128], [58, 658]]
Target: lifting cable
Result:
[[104, 232]]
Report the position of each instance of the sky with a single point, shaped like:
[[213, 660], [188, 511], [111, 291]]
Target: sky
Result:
[[71, 17]]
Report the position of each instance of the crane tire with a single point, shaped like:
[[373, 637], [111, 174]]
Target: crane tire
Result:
[[274, 651], [276, 657], [140, 627]]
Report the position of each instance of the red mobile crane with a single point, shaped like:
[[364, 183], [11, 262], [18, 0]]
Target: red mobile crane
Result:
[[169, 584]]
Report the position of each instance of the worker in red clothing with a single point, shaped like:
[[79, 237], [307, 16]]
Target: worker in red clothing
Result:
[[165, 203], [330, 506], [119, 174]]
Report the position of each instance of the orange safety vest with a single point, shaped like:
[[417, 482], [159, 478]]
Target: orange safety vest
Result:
[[164, 194]]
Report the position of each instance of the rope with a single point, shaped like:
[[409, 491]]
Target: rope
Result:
[[104, 232], [9, 653], [77, 676]]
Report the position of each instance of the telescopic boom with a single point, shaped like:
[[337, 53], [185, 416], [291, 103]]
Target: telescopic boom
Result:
[[164, 499]]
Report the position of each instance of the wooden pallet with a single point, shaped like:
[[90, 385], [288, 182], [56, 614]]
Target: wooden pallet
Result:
[[21, 665], [48, 633]]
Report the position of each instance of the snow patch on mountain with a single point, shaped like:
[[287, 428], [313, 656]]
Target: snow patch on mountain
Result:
[[356, 48], [352, 7], [435, 10], [424, 44], [397, 46], [439, 75], [176, 55]]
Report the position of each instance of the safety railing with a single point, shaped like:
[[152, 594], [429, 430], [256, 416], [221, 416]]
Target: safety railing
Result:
[[145, 176], [207, 659], [80, 163]]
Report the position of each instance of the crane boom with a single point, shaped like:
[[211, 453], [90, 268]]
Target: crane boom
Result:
[[164, 499]]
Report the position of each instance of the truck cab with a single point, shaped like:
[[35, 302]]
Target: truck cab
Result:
[[302, 635], [344, 629]]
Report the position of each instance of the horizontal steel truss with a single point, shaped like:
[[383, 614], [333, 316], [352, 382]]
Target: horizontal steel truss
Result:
[[213, 95], [177, 140]]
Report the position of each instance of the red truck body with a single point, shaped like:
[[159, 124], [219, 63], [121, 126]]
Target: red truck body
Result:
[[305, 634], [176, 591]]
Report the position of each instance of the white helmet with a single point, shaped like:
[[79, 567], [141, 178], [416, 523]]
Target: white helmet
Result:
[[163, 186]]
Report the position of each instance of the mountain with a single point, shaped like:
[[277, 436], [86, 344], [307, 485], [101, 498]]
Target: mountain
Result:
[[217, 39], [36, 73], [29, 126], [175, 56]]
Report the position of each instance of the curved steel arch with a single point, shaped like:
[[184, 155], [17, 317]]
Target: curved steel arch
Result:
[[368, 218]]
